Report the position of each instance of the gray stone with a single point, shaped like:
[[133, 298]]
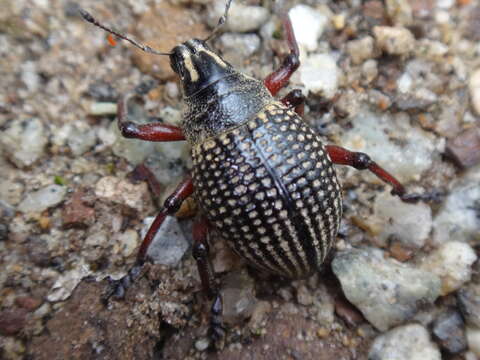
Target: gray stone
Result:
[[386, 291], [451, 262], [24, 142], [81, 139], [169, 245], [241, 18], [409, 223], [412, 153], [236, 48], [449, 331], [43, 199], [67, 282], [410, 342], [458, 219], [469, 302]]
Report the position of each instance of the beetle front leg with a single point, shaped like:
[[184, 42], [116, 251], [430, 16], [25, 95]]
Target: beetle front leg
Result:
[[148, 132], [207, 276], [170, 207], [296, 100], [362, 161], [279, 78]]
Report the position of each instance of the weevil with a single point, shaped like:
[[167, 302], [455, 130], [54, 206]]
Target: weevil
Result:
[[263, 178]]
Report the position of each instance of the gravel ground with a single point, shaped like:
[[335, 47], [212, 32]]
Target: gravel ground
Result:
[[397, 79]]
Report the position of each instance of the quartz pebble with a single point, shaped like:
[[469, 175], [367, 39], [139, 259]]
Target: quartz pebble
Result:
[[457, 219], [406, 158], [394, 40], [410, 342], [308, 25], [169, 245], [67, 282], [386, 291], [319, 74], [24, 142], [452, 263], [408, 223], [361, 49], [43, 199]]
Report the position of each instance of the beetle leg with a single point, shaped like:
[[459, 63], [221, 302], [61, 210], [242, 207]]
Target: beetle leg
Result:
[[279, 78], [296, 100], [362, 161], [207, 275], [170, 207], [148, 132]]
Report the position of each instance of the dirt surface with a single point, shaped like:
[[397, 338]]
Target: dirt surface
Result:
[[74, 195]]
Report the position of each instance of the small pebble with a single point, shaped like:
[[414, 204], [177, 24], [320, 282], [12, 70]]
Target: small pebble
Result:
[[465, 148], [385, 291], [121, 191], [409, 223], [103, 109], [241, 18], [304, 297], [400, 12], [449, 331], [451, 262], [410, 342], [12, 321], [43, 199], [76, 212], [127, 242], [361, 49], [308, 25], [468, 299], [239, 300], [202, 344], [81, 139], [67, 282], [24, 141], [474, 87], [473, 339], [319, 74], [394, 40], [458, 217]]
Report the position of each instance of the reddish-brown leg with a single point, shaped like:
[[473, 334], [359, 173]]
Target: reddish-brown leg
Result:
[[207, 275], [170, 207], [295, 99], [362, 161], [279, 78], [148, 132]]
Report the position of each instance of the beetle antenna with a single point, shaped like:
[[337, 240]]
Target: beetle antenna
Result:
[[88, 17], [221, 21]]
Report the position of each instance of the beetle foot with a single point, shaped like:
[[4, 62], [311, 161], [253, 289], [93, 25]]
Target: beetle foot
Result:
[[118, 288], [413, 198]]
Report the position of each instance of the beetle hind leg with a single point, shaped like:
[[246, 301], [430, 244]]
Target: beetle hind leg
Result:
[[119, 287], [207, 276]]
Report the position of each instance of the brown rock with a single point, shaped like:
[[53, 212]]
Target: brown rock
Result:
[[28, 303], [348, 312], [163, 27], [465, 148], [12, 321], [400, 251], [77, 214]]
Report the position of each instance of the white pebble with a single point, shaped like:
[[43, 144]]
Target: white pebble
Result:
[[452, 263], [319, 74], [241, 18], [308, 25], [474, 87]]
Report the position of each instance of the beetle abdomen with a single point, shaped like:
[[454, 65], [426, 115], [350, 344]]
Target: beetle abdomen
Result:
[[268, 187]]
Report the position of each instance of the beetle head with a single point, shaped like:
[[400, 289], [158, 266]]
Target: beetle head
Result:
[[197, 65]]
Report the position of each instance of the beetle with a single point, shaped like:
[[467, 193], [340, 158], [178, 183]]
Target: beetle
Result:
[[263, 178]]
